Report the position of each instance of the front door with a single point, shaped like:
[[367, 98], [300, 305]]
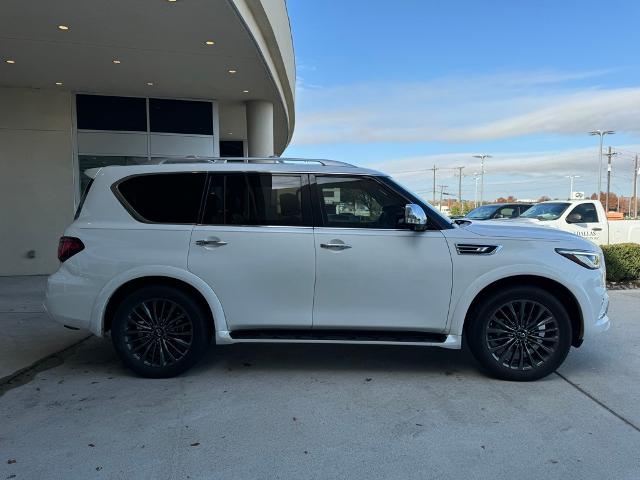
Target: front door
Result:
[[371, 271], [255, 249], [583, 221]]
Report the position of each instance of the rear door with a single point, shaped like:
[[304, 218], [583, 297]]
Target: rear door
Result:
[[371, 271], [255, 248]]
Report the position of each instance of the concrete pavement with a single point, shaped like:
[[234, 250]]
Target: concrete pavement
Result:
[[321, 411], [28, 333]]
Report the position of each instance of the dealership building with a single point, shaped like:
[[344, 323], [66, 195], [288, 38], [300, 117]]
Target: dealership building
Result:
[[119, 82]]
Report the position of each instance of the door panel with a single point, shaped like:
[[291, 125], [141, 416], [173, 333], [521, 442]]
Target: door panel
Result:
[[263, 276], [582, 220], [256, 249], [372, 272], [387, 279]]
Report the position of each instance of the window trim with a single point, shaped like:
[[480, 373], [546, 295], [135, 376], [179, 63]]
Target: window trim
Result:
[[132, 211], [305, 199]]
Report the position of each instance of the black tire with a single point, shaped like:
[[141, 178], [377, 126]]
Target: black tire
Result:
[[530, 322], [160, 332]]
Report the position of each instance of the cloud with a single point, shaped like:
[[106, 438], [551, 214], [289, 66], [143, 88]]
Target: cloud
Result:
[[469, 108], [512, 173]]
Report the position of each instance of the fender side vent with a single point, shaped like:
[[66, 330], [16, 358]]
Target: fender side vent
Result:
[[471, 249]]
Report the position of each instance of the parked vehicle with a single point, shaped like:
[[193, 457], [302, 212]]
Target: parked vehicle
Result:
[[585, 218], [497, 210], [168, 258]]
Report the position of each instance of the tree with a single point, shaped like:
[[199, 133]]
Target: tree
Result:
[[544, 198]]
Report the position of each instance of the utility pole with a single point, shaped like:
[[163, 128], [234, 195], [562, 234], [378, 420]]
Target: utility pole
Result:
[[601, 134], [434, 169], [609, 155], [460, 189], [571, 190], [635, 189], [442, 187], [482, 156]]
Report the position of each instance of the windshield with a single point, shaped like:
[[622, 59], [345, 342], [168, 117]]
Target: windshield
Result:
[[546, 211], [481, 213]]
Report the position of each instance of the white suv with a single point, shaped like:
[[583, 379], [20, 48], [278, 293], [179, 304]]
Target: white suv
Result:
[[170, 257]]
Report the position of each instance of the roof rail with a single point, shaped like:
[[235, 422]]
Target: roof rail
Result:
[[324, 163], [169, 161]]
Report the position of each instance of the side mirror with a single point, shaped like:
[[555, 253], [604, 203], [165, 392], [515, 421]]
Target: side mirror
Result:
[[574, 218], [415, 217]]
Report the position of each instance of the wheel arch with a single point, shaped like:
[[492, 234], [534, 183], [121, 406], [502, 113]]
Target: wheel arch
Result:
[[119, 287], [555, 288]]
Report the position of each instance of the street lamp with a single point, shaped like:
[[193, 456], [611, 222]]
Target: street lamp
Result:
[[476, 177], [601, 134], [571, 190], [482, 156]]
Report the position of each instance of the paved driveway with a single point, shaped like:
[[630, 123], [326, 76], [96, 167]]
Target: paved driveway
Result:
[[320, 411]]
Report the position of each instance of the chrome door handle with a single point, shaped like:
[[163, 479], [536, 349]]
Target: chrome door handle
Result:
[[596, 229], [335, 246], [210, 243]]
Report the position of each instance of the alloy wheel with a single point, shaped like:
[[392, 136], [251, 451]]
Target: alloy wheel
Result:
[[522, 335], [158, 332]]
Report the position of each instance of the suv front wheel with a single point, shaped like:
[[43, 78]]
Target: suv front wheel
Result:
[[159, 331], [521, 333]]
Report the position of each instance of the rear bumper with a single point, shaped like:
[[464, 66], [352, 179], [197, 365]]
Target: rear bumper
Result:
[[69, 299]]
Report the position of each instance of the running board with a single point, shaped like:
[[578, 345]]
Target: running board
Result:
[[361, 337], [334, 335]]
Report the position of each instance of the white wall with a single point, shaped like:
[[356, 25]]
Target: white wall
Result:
[[36, 178]]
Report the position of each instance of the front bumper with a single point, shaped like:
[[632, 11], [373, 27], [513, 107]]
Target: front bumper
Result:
[[599, 320]]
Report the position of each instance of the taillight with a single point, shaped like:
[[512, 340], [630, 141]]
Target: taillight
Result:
[[68, 247]]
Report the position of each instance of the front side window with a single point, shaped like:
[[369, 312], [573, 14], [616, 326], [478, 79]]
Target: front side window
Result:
[[584, 213], [507, 212], [164, 197], [255, 199], [482, 213], [546, 211], [359, 202]]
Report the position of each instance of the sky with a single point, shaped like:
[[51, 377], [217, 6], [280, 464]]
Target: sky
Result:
[[401, 86]]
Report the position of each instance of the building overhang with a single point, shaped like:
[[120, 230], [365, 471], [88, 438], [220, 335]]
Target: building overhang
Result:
[[155, 49]]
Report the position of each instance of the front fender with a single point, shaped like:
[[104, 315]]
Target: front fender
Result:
[[102, 300], [467, 293]]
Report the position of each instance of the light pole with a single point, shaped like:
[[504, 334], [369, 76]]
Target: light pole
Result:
[[571, 190], [601, 134], [482, 156], [476, 177]]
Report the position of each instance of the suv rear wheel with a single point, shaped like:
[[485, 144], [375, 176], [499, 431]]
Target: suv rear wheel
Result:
[[160, 331], [522, 333]]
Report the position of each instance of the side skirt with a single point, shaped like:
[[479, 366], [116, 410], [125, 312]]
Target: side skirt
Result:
[[362, 337]]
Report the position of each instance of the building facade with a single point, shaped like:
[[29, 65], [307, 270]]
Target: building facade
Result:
[[115, 82]]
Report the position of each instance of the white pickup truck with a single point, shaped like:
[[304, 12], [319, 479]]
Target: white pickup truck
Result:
[[585, 218]]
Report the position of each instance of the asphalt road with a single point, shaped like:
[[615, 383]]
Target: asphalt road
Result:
[[321, 411]]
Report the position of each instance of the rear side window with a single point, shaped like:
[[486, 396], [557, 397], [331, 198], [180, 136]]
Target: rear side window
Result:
[[163, 197], [256, 199]]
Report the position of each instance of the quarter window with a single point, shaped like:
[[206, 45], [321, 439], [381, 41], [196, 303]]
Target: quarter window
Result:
[[164, 197], [359, 202], [255, 199]]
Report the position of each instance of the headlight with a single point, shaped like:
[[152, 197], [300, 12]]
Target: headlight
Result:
[[590, 260]]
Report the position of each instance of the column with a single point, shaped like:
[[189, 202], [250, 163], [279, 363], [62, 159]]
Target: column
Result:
[[260, 128]]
